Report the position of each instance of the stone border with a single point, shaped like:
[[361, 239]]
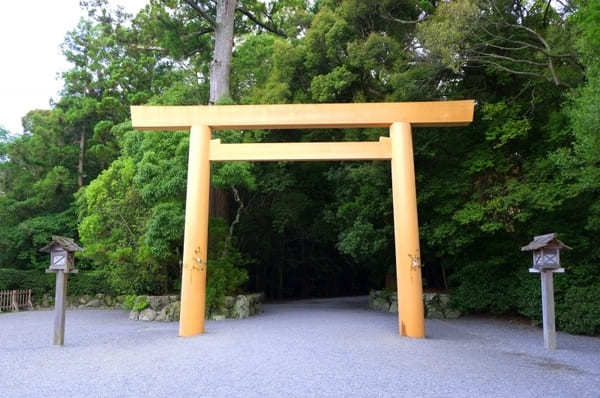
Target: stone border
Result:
[[164, 308], [159, 308], [437, 305], [96, 301]]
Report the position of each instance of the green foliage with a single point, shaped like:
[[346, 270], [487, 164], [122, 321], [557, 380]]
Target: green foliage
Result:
[[223, 273], [42, 283], [129, 301], [136, 303], [89, 282], [140, 303], [38, 281], [579, 311]]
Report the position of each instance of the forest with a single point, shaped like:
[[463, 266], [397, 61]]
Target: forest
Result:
[[529, 163]]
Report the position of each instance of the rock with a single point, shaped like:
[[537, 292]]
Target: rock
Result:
[[435, 313], [84, 299], [228, 302], [381, 304], [173, 298], [393, 306], [444, 299], [100, 296], [147, 315], [108, 301], [120, 299], [372, 295], [429, 297], [161, 316], [451, 313], [45, 302], [255, 301], [241, 307], [172, 311], [158, 302], [217, 317], [134, 315], [254, 297], [93, 303]]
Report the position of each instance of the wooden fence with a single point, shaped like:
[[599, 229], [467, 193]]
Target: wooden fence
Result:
[[12, 300]]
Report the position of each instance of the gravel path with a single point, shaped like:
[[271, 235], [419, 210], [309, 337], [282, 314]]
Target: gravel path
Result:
[[310, 348]]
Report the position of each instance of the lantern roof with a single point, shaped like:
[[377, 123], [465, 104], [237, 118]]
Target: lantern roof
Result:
[[67, 244], [541, 241]]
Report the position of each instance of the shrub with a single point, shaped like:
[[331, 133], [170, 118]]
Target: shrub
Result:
[[129, 301], [90, 282], [484, 287], [38, 281], [141, 303], [136, 303], [579, 310], [502, 290], [42, 283], [223, 277]]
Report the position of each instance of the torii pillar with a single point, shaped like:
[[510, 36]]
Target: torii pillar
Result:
[[411, 319], [195, 241]]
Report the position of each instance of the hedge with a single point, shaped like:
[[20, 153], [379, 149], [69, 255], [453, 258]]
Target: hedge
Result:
[[40, 283]]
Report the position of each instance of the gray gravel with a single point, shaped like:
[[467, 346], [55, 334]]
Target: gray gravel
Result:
[[324, 348]]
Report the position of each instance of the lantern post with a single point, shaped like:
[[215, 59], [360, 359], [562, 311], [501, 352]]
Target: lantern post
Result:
[[546, 261], [62, 263]]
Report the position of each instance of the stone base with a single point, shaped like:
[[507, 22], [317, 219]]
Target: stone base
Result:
[[159, 308], [166, 308], [98, 301], [436, 305]]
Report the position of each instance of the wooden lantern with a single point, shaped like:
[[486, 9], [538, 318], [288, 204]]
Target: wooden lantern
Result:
[[546, 251], [62, 253], [546, 261], [62, 263]]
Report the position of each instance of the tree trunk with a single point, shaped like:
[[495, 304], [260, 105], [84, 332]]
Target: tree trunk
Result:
[[81, 154], [220, 67], [220, 71]]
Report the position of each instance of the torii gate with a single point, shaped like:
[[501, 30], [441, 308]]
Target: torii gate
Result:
[[399, 117]]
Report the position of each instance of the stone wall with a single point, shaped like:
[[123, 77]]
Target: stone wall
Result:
[[101, 301], [159, 308], [162, 308], [437, 305]]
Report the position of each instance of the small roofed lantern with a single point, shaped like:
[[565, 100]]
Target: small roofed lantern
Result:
[[546, 251], [62, 263], [62, 253]]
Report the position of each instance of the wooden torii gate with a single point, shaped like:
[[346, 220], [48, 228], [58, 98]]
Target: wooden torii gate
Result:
[[399, 117]]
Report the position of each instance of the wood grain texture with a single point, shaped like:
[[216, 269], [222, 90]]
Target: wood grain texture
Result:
[[195, 241], [547, 279], [60, 296], [411, 317], [301, 116], [302, 151]]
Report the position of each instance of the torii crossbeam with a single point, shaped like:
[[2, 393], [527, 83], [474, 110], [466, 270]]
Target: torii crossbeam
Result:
[[399, 117]]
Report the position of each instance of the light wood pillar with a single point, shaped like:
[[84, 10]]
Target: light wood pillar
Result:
[[548, 309], [411, 318], [193, 278], [60, 295]]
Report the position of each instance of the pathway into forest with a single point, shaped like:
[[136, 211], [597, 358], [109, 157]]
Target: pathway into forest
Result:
[[309, 348]]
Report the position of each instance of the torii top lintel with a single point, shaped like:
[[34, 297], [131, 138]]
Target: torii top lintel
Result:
[[300, 116]]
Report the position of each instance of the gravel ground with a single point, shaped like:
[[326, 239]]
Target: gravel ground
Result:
[[310, 348]]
